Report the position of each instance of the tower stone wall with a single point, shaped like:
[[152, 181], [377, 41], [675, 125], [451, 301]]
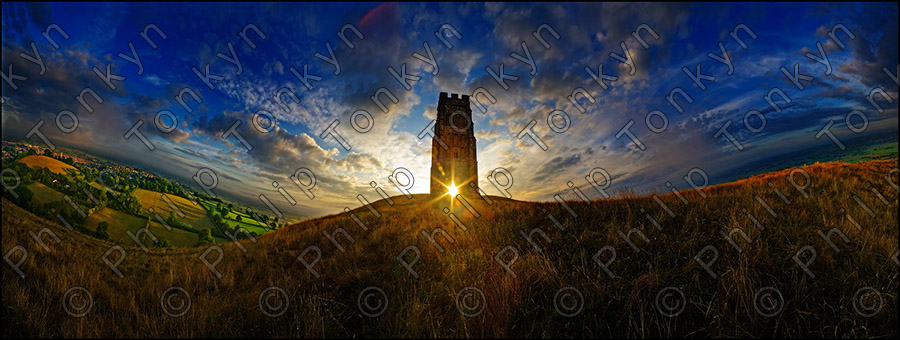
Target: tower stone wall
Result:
[[453, 147]]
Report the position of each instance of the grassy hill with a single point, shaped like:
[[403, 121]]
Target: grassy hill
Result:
[[51, 164], [659, 289]]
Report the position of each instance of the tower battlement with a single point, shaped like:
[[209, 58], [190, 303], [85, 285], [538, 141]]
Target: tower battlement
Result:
[[454, 99]]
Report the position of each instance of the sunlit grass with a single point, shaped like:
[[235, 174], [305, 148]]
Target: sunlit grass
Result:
[[523, 306]]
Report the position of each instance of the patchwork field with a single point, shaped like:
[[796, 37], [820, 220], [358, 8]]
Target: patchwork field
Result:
[[246, 221], [120, 223], [51, 164], [194, 215]]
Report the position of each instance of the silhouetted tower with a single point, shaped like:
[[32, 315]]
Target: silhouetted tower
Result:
[[453, 147]]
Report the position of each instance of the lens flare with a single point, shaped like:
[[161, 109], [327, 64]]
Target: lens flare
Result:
[[451, 190]]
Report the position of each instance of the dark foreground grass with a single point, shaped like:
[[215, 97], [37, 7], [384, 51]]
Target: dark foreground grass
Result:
[[534, 303]]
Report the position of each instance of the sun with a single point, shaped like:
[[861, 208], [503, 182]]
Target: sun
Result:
[[451, 190]]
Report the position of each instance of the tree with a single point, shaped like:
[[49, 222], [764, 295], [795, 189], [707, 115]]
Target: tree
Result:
[[25, 196], [237, 218], [172, 217], [205, 237], [103, 230], [217, 219]]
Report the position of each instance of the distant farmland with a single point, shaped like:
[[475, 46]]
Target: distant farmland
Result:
[[194, 215], [247, 222], [121, 223]]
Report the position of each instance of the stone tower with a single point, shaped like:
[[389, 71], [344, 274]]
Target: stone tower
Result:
[[453, 147]]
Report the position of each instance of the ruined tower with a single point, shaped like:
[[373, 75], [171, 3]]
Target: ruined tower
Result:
[[453, 147]]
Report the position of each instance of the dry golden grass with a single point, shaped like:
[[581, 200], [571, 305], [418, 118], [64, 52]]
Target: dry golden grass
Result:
[[515, 307], [51, 164]]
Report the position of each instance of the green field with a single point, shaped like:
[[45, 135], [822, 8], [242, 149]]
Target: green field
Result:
[[44, 194], [120, 223], [246, 222], [856, 151], [194, 215], [886, 150]]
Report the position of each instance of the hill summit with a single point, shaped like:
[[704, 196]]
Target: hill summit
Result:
[[787, 253]]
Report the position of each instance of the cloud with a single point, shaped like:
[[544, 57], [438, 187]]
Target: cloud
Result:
[[555, 165], [155, 80], [491, 32]]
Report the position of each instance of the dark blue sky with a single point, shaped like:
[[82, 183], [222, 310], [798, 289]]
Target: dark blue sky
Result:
[[490, 33]]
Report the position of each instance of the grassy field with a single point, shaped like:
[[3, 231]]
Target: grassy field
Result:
[[887, 150], [246, 222], [857, 150], [51, 164], [45, 194], [194, 215], [632, 304], [120, 223]]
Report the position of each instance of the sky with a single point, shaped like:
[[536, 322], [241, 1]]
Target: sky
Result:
[[323, 78]]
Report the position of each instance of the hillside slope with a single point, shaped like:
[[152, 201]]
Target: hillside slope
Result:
[[659, 289], [51, 164]]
